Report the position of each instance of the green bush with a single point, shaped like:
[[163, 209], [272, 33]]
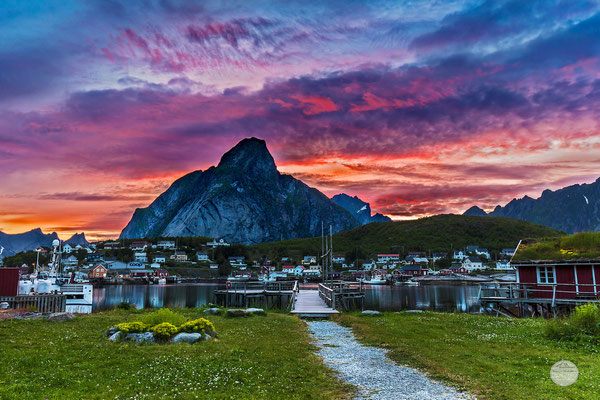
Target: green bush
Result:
[[164, 331], [133, 327], [582, 324], [200, 325], [163, 315], [125, 305]]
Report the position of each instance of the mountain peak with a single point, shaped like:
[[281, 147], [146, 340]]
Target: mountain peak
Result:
[[475, 210], [250, 155]]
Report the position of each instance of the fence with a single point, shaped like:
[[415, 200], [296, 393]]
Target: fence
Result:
[[40, 303]]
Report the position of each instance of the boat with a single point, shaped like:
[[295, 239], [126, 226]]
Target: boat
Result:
[[162, 281], [409, 282], [375, 280], [78, 297]]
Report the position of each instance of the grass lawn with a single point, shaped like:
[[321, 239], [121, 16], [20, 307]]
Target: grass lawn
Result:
[[254, 358], [494, 358]]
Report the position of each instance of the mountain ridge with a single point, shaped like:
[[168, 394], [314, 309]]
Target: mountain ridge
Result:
[[572, 209], [244, 199], [360, 209]]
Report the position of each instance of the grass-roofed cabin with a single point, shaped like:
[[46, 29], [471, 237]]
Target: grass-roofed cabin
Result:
[[553, 275]]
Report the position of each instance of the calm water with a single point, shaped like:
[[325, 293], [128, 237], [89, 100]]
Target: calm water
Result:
[[384, 298]]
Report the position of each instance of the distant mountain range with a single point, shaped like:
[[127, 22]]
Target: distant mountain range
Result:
[[15, 243], [571, 209], [359, 209], [244, 199]]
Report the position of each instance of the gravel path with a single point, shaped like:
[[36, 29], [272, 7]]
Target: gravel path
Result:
[[371, 371]]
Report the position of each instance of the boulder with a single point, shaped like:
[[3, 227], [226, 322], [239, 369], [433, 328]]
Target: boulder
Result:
[[213, 311], [111, 331], [255, 311], [4, 306], [115, 336], [140, 337], [207, 336], [60, 317], [236, 312], [371, 312], [190, 338]]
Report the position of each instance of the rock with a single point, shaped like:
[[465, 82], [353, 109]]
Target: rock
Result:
[[140, 337], [4, 306], [190, 338], [413, 311], [60, 317], [207, 336], [235, 312], [371, 312], [111, 331], [255, 311], [115, 336], [213, 311]]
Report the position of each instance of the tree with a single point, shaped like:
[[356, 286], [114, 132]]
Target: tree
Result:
[[224, 267]]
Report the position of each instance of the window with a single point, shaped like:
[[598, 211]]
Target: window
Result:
[[546, 275]]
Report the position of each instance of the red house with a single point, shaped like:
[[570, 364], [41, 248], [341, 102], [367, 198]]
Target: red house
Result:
[[561, 269], [161, 273]]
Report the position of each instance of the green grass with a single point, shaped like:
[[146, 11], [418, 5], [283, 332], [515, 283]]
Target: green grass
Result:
[[253, 358], [579, 245], [494, 358]]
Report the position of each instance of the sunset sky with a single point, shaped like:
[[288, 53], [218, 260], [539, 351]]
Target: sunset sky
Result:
[[418, 107]]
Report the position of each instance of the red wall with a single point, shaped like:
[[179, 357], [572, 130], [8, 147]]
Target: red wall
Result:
[[9, 281], [565, 279]]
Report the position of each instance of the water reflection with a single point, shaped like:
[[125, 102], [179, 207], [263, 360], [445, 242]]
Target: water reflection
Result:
[[385, 298]]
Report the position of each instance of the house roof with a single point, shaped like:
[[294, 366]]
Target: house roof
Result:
[[577, 247], [474, 259], [414, 267]]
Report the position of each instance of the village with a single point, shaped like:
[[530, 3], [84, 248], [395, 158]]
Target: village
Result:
[[162, 261]]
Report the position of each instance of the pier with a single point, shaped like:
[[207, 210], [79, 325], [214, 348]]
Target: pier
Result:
[[244, 294]]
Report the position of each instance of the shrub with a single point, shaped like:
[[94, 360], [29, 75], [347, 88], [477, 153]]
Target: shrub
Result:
[[164, 331], [200, 325], [583, 323], [133, 327], [125, 305], [163, 315]]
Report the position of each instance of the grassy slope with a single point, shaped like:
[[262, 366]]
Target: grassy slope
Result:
[[254, 358], [495, 358], [433, 233], [577, 246]]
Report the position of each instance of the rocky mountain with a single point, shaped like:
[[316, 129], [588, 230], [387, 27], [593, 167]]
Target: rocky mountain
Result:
[[571, 209], [475, 211], [244, 199], [359, 209], [31, 240], [78, 239]]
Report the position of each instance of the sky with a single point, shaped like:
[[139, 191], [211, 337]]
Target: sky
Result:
[[418, 107]]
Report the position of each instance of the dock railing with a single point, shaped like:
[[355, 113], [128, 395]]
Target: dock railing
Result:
[[552, 293], [337, 293], [44, 303]]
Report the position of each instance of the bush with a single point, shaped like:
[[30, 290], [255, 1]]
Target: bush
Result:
[[133, 327], [163, 315], [583, 323], [125, 305], [164, 331], [200, 325]]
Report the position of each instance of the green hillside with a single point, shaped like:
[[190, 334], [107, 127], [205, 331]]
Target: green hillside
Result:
[[437, 233], [584, 245]]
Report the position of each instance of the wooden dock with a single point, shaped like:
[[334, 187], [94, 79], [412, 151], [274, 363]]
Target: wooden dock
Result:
[[45, 303], [309, 304], [244, 294]]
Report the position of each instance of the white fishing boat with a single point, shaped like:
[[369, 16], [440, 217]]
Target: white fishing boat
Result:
[[78, 297], [162, 281], [375, 280]]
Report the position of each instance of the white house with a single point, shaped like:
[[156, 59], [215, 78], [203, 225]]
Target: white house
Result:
[[214, 266], [67, 248], [70, 261], [115, 264], [338, 259], [420, 260], [202, 256], [311, 272], [438, 256], [298, 270], [155, 265], [472, 263], [483, 253], [504, 265], [507, 252], [166, 244], [135, 265], [309, 260], [368, 265], [388, 258], [216, 243], [160, 258], [459, 255], [141, 257]]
